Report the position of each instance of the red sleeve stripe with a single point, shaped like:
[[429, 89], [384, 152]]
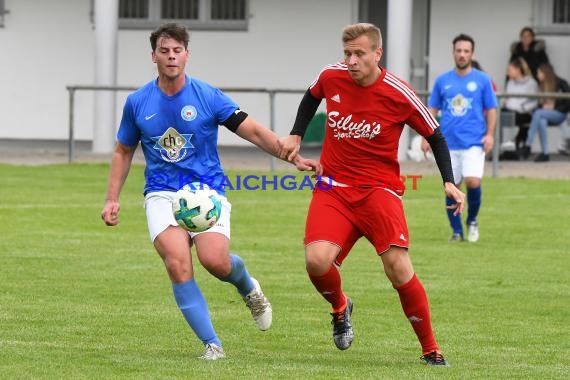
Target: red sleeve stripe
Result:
[[334, 66], [412, 97]]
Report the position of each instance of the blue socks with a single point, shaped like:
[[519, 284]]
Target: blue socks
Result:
[[473, 204], [193, 306], [239, 276], [454, 220]]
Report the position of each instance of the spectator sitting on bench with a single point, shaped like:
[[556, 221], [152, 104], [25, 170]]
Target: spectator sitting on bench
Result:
[[552, 111], [520, 81]]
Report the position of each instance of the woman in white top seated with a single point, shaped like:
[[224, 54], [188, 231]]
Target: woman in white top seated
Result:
[[520, 81]]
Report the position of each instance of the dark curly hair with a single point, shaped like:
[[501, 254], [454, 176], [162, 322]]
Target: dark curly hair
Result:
[[171, 30]]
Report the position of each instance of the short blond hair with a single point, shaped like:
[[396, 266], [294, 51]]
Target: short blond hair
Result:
[[351, 32]]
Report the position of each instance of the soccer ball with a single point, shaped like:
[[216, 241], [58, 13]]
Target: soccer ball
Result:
[[196, 207]]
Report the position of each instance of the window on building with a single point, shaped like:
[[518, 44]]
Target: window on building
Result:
[[3, 12], [561, 12], [552, 16], [195, 14], [228, 10], [180, 9], [133, 9]]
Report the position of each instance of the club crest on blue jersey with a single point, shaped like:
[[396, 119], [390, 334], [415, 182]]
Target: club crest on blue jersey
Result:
[[172, 145], [189, 113]]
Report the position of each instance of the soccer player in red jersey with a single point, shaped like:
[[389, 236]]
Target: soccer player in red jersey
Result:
[[359, 193]]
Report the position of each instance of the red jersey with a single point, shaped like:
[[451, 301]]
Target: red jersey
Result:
[[364, 125]]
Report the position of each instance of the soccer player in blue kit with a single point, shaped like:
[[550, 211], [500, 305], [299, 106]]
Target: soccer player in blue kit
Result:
[[468, 106], [175, 118]]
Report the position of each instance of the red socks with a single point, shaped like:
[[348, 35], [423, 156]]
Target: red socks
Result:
[[329, 286], [412, 297], [415, 304]]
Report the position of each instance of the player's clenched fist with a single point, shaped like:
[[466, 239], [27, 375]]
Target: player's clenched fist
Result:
[[110, 213], [289, 146]]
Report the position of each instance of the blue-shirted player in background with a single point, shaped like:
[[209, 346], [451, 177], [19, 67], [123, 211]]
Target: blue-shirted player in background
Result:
[[175, 118], [468, 106]]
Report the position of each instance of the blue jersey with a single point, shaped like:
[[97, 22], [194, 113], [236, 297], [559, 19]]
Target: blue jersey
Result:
[[462, 100], [178, 134]]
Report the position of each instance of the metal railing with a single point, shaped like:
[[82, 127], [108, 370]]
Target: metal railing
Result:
[[273, 92]]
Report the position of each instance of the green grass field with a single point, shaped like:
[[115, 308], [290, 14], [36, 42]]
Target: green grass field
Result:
[[79, 300]]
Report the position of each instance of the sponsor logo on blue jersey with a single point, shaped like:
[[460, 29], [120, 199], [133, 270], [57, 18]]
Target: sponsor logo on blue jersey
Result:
[[172, 145]]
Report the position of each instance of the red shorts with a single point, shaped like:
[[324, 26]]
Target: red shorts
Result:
[[341, 215]]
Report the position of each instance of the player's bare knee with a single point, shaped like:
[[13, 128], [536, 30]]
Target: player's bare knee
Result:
[[178, 271], [216, 261], [397, 265], [318, 264], [219, 270], [319, 257]]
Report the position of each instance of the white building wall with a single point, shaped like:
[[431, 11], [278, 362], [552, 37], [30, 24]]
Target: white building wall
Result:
[[287, 44], [49, 45], [45, 46], [558, 48]]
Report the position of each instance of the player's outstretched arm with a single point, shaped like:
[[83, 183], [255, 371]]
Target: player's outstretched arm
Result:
[[120, 166], [264, 138]]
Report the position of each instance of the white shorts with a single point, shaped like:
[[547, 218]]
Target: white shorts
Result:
[[159, 215], [467, 163]]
